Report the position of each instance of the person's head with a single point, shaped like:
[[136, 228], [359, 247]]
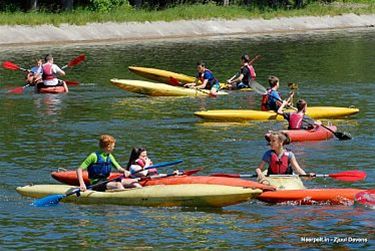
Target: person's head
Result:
[[136, 153], [301, 105], [273, 81], [48, 58], [107, 143], [278, 140], [201, 66], [38, 62], [245, 58]]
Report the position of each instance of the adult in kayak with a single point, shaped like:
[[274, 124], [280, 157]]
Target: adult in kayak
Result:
[[138, 161], [34, 75], [50, 73], [279, 160], [246, 73], [99, 165], [272, 100], [208, 81], [297, 120]]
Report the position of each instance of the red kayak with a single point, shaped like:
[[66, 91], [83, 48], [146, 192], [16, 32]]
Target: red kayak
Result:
[[70, 178], [366, 198], [331, 196], [52, 90], [315, 134]]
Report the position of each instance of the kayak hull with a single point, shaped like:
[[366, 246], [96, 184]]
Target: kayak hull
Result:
[[316, 134], [159, 89], [52, 90], [70, 178], [159, 75], [156, 196], [317, 112], [331, 196]]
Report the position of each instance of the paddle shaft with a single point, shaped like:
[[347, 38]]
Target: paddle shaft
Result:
[[250, 63]]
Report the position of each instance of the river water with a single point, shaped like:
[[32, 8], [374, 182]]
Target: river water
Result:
[[41, 133]]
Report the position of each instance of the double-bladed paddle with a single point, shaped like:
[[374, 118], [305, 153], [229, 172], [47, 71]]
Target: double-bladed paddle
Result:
[[349, 176], [263, 91], [54, 199]]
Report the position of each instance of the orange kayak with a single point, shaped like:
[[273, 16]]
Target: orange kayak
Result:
[[331, 196], [70, 178], [315, 134], [52, 90]]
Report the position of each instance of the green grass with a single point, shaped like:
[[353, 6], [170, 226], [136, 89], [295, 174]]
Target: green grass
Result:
[[184, 12]]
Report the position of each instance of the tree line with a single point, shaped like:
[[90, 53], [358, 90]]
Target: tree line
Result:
[[107, 5]]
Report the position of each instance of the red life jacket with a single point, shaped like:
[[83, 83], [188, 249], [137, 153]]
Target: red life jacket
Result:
[[140, 163], [252, 71], [264, 104], [280, 166], [295, 120], [47, 72]]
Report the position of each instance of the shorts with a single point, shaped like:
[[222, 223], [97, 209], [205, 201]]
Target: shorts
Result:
[[98, 186], [59, 83], [215, 86], [242, 85]]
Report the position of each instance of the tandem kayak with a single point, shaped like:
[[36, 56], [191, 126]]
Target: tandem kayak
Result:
[[70, 178], [159, 89], [52, 90], [316, 112], [315, 134], [186, 195]]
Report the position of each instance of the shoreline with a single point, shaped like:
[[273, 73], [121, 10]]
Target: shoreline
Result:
[[106, 32]]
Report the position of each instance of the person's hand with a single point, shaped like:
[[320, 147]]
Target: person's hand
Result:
[[126, 173], [83, 187], [229, 82], [148, 162], [261, 178], [177, 172]]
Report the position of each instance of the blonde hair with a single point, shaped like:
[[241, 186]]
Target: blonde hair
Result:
[[106, 140], [282, 137]]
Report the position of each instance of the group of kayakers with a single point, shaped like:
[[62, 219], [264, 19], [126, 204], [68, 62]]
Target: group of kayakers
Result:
[[45, 74]]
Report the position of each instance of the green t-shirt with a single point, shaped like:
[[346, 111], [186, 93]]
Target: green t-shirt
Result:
[[92, 159]]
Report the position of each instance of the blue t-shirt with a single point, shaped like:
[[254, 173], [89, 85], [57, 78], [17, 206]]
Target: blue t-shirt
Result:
[[207, 74], [37, 70], [273, 97]]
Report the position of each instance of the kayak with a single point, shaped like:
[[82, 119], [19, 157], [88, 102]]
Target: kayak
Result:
[[316, 112], [158, 89], [70, 178], [164, 76], [52, 90], [185, 195], [315, 134], [366, 198], [331, 196]]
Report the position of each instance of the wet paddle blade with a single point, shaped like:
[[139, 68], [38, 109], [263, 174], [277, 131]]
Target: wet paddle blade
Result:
[[10, 66], [18, 90], [349, 176], [193, 171], [343, 135], [71, 83], [77, 60], [50, 200], [258, 87], [173, 81], [229, 175]]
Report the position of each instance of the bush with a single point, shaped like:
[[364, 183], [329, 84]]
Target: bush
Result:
[[106, 5]]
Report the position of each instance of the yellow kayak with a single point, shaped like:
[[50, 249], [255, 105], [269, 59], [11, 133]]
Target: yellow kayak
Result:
[[158, 89], [185, 195], [164, 76], [316, 112]]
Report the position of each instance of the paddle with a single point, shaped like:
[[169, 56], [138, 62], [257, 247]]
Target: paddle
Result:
[[75, 61], [54, 199], [263, 91], [250, 63], [350, 176], [12, 66], [185, 173]]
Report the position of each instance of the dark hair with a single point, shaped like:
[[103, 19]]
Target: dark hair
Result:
[[282, 136], [301, 104], [272, 80], [134, 155], [246, 58], [48, 57], [201, 63]]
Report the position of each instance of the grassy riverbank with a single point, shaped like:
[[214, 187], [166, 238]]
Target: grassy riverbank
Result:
[[185, 12]]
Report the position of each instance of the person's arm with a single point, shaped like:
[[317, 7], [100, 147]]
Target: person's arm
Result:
[[259, 171], [281, 108], [85, 164], [203, 85], [82, 184], [58, 70], [118, 166], [296, 168], [238, 79]]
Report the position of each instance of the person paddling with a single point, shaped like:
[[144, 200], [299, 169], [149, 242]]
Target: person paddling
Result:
[[298, 120], [247, 72], [34, 76], [99, 165], [50, 73], [272, 100], [279, 160], [138, 161], [208, 81]]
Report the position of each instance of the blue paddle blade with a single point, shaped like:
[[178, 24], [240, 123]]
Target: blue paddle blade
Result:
[[50, 200]]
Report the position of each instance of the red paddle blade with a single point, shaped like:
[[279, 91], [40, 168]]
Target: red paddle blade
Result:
[[71, 83], [191, 172], [18, 90], [10, 66], [77, 60], [230, 175], [174, 81], [350, 176]]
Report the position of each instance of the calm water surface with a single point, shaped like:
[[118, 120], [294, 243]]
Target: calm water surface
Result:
[[41, 133]]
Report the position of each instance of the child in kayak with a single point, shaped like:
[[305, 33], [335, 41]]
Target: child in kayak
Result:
[[207, 79], [272, 100], [34, 76], [297, 120], [279, 160], [138, 161], [99, 165], [246, 73], [50, 73]]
